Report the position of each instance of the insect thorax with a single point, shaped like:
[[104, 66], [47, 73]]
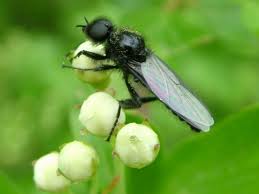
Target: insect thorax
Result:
[[123, 46]]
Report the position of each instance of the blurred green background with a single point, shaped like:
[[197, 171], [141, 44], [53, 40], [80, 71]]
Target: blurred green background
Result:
[[212, 44]]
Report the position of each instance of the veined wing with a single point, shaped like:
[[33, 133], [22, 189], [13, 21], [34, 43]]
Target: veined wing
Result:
[[169, 89]]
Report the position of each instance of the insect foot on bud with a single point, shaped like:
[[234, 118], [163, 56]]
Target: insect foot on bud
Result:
[[136, 145], [99, 113], [46, 176], [77, 161], [83, 62]]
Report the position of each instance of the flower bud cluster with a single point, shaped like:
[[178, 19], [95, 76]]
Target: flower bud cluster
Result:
[[136, 145]]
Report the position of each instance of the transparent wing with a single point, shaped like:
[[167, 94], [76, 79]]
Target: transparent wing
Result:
[[168, 88]]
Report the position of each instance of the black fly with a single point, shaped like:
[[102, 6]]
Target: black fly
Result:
[[128, 51]]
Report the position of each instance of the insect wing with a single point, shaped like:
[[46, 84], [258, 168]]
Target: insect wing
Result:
[[169, 89]]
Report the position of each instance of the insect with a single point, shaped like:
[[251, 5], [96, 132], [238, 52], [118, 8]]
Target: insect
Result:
[[130, 55]]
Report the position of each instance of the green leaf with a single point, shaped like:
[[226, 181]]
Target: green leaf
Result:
[[225, 160]]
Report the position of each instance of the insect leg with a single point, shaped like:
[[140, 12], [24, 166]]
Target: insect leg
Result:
[[130, 103], [91, 55], [136, 101], [115, 123], [99, 68]]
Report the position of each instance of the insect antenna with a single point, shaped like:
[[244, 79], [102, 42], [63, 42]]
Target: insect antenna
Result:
[[83, 26], [80, 26], [86, 21]]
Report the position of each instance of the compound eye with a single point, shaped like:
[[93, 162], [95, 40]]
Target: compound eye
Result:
[[99, 30]]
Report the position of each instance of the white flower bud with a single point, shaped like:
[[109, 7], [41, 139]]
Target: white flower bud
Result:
[[46, 174], [77, 161], [98, 113], [84, 62], [136, 145]]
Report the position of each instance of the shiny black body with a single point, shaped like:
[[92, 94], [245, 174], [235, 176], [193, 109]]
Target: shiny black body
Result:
[[128, 51], [124, 46]]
